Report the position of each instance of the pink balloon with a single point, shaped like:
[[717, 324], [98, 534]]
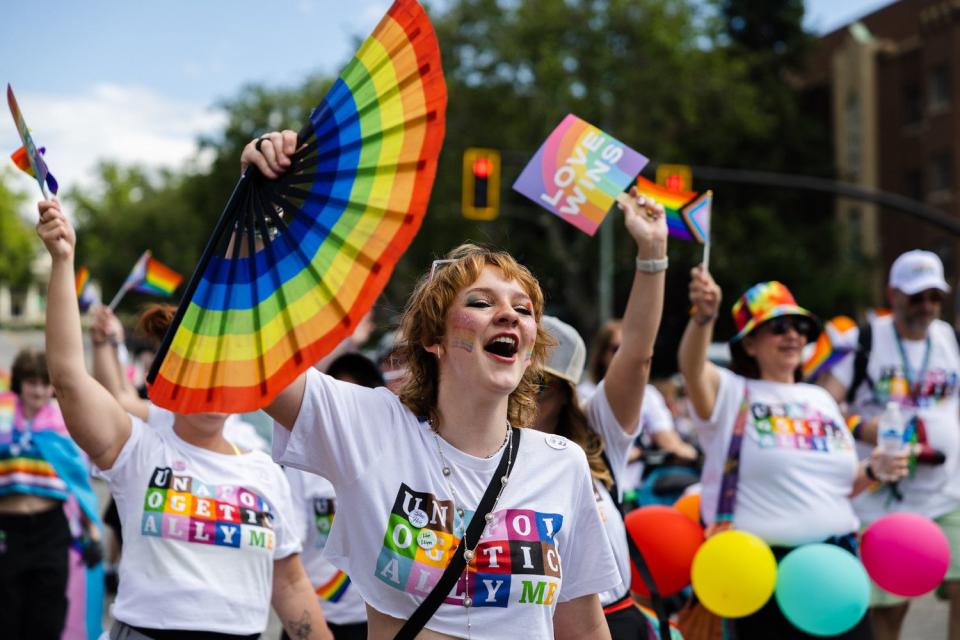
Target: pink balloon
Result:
[[905, 554]]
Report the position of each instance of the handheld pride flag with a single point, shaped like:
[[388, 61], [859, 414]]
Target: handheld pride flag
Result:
[[578, 173], [688, 215], [22, 160], [34, 159], [295, 263], [838, 338], [148, 275], [85, 296]]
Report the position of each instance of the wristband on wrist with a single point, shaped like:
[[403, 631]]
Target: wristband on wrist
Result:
[[704, 320], [653, 266], [869, 471]]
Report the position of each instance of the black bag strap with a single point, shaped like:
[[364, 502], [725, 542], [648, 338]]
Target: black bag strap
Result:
[[614, 490], [663, 620], [860, 360], [419, 618]]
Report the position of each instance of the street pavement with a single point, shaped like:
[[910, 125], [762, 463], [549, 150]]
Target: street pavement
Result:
[[927, 619]]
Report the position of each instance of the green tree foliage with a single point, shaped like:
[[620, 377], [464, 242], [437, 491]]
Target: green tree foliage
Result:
[[17, 247], [678, 80]]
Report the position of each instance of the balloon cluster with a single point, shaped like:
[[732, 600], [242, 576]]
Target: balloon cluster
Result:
[[822, 589]]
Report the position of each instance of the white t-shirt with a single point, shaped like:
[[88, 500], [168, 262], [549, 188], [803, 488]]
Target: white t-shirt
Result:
[[315, 504], [402, 524], [616, 445], [201, 531], [235, 429], [797, 461], [933, 490], [655, 417]]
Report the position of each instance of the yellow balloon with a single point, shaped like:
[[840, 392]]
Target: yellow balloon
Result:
[[734, 574]]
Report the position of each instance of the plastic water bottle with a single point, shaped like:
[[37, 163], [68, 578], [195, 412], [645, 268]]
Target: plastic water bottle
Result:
[[889, 438]]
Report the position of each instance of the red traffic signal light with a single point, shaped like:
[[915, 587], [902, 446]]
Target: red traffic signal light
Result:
[[481, 167], [480, 198]]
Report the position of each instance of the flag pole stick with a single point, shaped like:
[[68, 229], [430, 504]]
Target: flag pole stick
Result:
[[117, 298]]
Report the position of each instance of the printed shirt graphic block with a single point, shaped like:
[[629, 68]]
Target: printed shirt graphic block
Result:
[[578, 173], [183, 508], [516, 554]]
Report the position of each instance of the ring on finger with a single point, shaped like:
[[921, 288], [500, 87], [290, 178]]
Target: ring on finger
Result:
[[259, 142]]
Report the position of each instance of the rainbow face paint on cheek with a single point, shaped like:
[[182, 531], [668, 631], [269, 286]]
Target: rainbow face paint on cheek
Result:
[[463, 334]]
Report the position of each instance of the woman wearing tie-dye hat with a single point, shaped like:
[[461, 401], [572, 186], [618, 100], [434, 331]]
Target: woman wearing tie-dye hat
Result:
[[780, 448]]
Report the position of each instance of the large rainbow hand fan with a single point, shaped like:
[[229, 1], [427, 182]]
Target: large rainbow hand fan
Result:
[[294, 263]]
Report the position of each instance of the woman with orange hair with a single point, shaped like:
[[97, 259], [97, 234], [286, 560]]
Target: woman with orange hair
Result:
[[420, 474]]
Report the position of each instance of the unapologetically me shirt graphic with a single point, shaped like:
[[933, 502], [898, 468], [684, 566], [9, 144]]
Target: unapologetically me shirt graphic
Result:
[[793, 425], [932, 388], [516, 554], [181, 507]]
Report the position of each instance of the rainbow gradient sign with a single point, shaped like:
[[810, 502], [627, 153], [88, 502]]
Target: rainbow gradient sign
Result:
[[578, 173]]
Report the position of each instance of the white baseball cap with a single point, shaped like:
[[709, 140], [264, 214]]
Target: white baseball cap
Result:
[[916, 271], [566, 360]]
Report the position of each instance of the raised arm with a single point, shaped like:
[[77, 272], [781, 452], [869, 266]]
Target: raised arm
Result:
[[629, 369], [106, 334], [701, 376], [96, 421]]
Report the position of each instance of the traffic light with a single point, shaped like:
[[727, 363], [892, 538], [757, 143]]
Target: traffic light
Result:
[[675, 177], [481, 184]]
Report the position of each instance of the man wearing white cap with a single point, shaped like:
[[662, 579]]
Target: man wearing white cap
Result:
[[910, 357]]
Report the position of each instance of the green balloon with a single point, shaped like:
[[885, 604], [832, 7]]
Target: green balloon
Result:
[[822, 589]]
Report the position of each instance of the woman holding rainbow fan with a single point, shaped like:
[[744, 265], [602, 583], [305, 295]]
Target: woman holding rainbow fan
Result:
[[780, 461], [207, 541]]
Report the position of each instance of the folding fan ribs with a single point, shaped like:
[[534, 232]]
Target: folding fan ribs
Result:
[[294, 263]]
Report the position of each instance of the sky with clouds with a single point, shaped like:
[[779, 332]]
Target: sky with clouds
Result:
[[139, 81]]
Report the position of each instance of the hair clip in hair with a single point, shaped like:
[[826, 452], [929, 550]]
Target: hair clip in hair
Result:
[[437, 263]]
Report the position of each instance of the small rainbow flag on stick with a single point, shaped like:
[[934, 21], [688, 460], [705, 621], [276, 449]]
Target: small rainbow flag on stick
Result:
[[688, 213], [148, 276], [29, 158], [84, 293]]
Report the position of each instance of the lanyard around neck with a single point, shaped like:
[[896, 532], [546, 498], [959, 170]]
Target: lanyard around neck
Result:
[[913, 385]]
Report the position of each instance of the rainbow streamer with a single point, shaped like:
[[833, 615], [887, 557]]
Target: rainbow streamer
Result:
[[4, 383], [333, 589], [578, 173], [836, 340], [295, 263], [34, 160], [674, 204]]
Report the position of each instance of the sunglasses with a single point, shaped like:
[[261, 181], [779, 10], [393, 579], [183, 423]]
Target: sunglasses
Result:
[[803, 325], [934, 296]]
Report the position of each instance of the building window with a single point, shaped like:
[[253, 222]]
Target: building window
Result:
[[912, 107], [913, 185], [939, 89], [941, 169]]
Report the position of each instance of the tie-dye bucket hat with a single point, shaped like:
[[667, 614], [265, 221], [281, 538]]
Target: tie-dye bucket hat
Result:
[[765, 301]]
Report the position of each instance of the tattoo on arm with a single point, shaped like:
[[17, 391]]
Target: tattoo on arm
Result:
[[300, 629]]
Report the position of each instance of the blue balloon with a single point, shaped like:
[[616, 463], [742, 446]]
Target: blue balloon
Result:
[[822, 589]]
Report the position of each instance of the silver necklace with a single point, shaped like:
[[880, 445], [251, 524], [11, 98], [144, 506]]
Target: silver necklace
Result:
[[468, 553]]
